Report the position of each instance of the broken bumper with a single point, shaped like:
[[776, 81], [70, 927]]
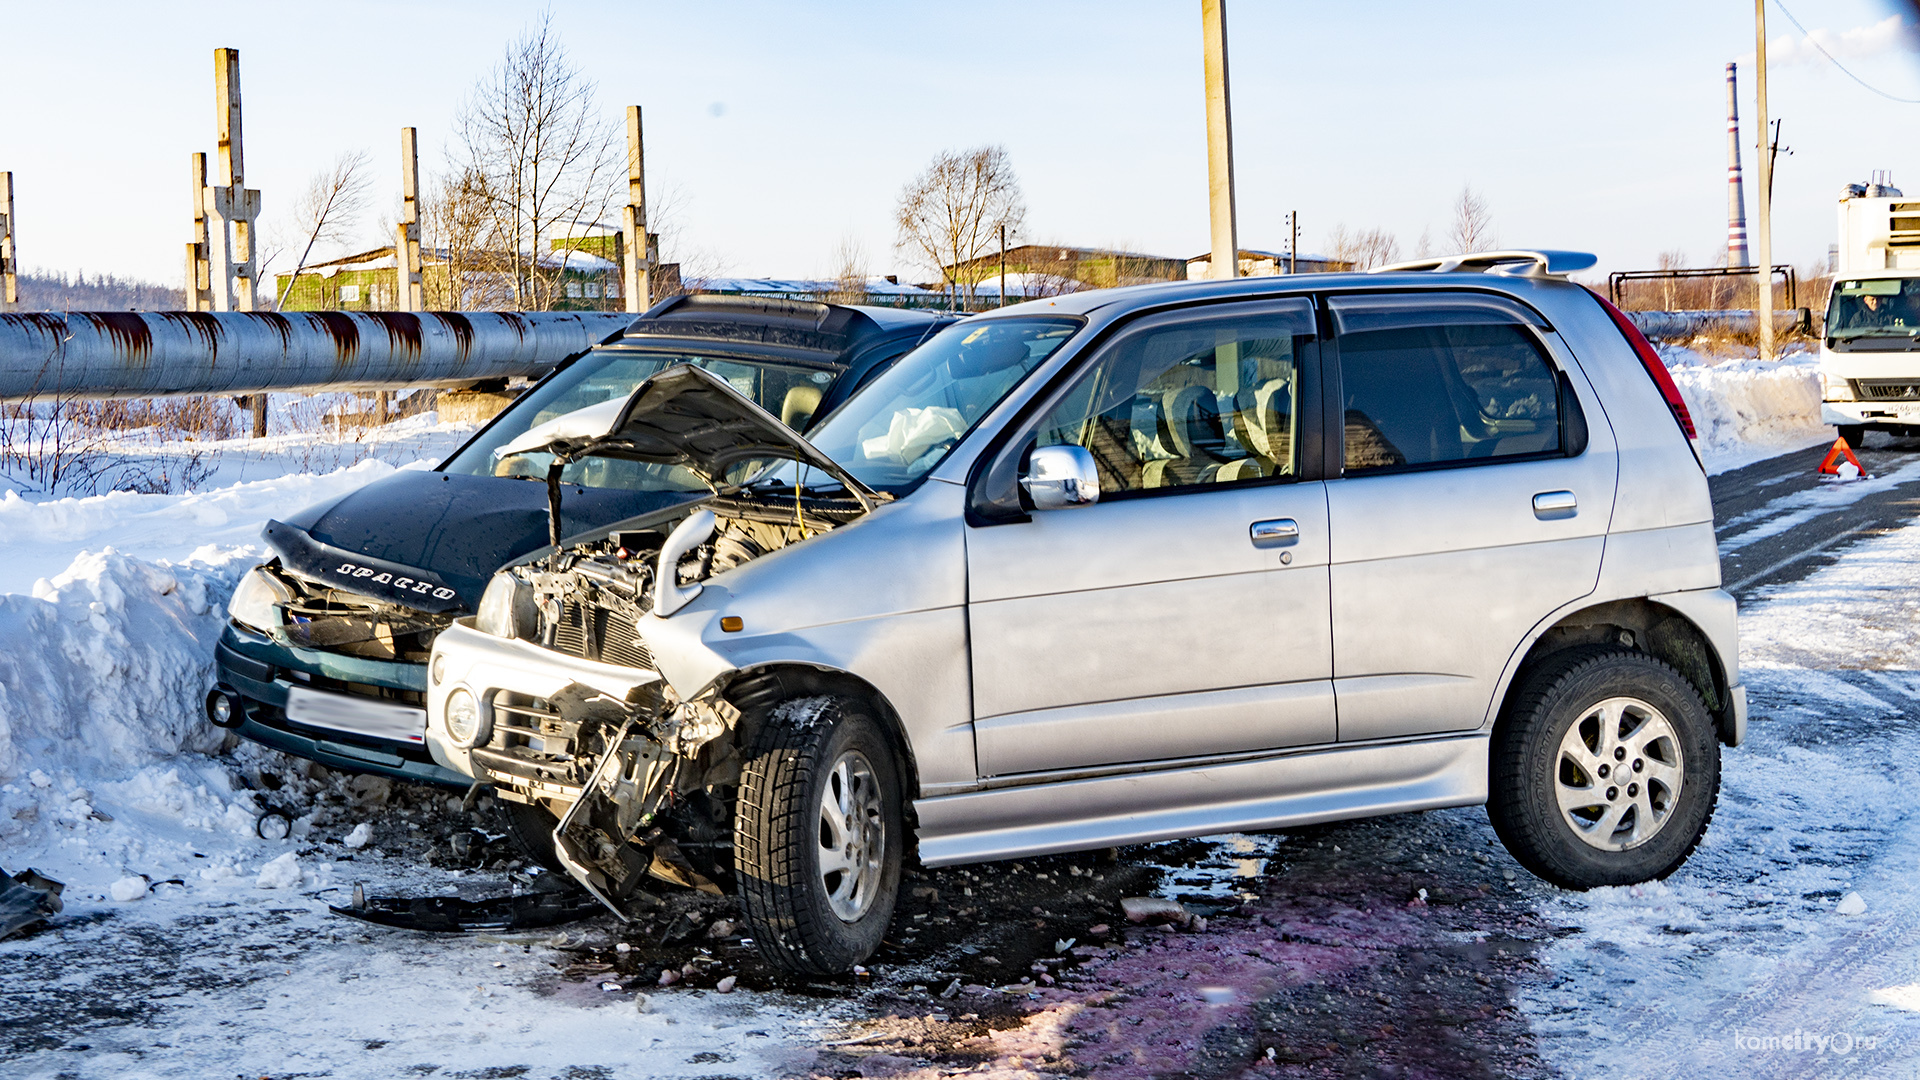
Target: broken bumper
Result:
[[260, 674]]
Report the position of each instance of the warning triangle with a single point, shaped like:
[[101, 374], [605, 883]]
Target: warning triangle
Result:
[[1841, 451]]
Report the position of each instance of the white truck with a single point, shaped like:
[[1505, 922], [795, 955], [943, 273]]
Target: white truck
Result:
[[1870, 354]]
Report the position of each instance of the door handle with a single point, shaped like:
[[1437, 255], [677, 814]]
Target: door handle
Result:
[[1278, 532], [1549, 505]]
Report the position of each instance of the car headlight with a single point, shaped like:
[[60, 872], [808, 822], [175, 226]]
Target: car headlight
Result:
[[255, 602], [467, 724], [506, 608], [1834, 388]]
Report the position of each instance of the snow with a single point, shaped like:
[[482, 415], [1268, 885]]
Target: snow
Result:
[[1745, 410]]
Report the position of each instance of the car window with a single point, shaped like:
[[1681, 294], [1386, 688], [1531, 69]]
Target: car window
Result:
[[1439, 395], [789, 391], [898, 427], [1192, 405]]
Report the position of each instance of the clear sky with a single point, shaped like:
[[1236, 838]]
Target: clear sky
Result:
[[777, 130]]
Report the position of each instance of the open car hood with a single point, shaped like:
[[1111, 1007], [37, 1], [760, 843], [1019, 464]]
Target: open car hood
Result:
[[683, 416]]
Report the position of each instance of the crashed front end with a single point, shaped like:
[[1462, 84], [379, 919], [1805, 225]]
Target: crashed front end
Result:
[[552, 695]]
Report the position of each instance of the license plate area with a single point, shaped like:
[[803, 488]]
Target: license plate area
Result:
[[358, 715]]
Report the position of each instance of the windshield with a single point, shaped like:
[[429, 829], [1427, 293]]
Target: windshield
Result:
[[789, 391], [896, 429], [1887, 307]]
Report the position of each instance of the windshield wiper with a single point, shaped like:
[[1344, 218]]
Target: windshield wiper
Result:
[[1875, 331]]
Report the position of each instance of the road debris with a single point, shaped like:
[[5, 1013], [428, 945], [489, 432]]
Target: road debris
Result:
[[27, 898]]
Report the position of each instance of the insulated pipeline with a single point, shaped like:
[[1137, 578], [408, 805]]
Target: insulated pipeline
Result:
[[118, 354]]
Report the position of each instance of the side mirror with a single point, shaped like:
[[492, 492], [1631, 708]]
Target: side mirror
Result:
[[1060, 476]]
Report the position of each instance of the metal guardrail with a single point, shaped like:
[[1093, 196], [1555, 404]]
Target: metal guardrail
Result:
[[123, 354], [1619, 278]]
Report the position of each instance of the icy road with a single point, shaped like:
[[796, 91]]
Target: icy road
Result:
[[1407, 946]]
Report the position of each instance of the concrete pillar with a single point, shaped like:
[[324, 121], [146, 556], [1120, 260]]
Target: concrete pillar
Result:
[[231, 209], [1226, 239], [9, 264], [639, 253], [199, 277], [410, 290]]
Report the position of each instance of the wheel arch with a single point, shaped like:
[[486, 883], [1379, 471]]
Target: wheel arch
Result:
[[755, 690], [1644, 625]]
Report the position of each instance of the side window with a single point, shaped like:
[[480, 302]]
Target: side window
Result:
[[1434, 395], [1188, 406]]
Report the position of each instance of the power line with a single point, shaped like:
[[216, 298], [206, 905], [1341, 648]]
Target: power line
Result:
[[1836, 63]]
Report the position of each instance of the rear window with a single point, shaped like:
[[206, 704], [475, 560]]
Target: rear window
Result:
[[1443, 395]]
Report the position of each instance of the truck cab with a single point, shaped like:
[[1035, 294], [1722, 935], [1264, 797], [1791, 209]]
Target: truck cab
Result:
[[1870, 350]]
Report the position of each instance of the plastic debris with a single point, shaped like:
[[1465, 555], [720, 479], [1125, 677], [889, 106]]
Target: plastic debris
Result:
[[27, 898], [1153, 909]]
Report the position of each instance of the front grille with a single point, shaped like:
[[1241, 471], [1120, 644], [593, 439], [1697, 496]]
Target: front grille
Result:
[[1887, 389], [597, 633]]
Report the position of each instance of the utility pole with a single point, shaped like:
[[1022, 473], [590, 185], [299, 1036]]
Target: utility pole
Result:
[[231, 208], [1764, 271], [1226, 239], [9, 262], [1293, 241], [199, 293], [642, 247], [411, 291], [1003, 265]]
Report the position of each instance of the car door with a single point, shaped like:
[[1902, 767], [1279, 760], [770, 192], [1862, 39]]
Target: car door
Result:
[[1473, 501], [1184, 614]]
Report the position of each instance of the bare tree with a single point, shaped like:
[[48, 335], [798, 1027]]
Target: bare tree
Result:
[[953, 211], [327, 213], [1472, 223], [849, 272], [1363, 249], [457, 231], [534, 147], [1669, 287]]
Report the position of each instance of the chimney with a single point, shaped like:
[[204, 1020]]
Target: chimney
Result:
[[1736, 194]]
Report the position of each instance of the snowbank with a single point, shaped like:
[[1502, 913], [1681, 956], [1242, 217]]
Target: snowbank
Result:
[[1746, 410]]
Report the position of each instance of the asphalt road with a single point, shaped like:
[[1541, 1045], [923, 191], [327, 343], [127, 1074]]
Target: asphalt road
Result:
[[1778, 520]]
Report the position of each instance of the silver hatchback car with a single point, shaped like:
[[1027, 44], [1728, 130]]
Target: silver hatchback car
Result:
[[1121, 566]]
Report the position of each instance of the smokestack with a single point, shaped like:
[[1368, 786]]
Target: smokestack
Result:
[[1736, 193]]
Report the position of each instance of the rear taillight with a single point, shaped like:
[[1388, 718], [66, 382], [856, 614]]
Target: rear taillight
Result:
[[1650, 360]]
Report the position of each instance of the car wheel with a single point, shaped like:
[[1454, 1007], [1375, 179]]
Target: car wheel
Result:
[[1855, 434], [1605, 770], [532, 830], [818, 835]]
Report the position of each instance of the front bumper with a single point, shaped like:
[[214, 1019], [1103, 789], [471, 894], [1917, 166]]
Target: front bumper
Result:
[[1871, 413], [487, 666], [259, 672]]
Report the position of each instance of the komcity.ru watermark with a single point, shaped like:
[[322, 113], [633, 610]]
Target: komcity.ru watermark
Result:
[[1806, 1042]]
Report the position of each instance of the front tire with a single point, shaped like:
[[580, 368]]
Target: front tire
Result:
[[1855, 434], [1605, 770], [818, 835], [531, 827]]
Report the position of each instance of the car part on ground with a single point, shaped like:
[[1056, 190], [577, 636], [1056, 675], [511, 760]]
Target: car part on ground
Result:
[[26, 899], [552, 901], [804, 659]]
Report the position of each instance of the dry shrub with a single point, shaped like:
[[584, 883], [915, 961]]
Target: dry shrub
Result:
[[71, 447]]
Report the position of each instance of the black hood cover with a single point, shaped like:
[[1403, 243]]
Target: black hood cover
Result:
[[431, 540], [684, 416]]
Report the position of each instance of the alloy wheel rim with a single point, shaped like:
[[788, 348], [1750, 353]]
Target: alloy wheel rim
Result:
[[852, 836], [1618, 774]]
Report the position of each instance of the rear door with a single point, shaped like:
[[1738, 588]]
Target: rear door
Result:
[[1473, 500], [1185, 614]]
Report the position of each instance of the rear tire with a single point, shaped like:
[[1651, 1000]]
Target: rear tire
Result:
[[1605, 769], [818, 835], [1855, 434]]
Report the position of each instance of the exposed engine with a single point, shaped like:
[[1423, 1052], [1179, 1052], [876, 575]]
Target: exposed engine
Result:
[[614, 769]]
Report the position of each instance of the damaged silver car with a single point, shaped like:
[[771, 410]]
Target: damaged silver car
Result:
[[1118, 567]]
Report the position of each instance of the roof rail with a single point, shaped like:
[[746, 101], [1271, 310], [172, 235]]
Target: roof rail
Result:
[[1537, 264]]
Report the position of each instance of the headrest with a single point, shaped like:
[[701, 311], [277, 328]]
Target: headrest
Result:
[[1266, 425], [798, 406], [1190, 423]]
